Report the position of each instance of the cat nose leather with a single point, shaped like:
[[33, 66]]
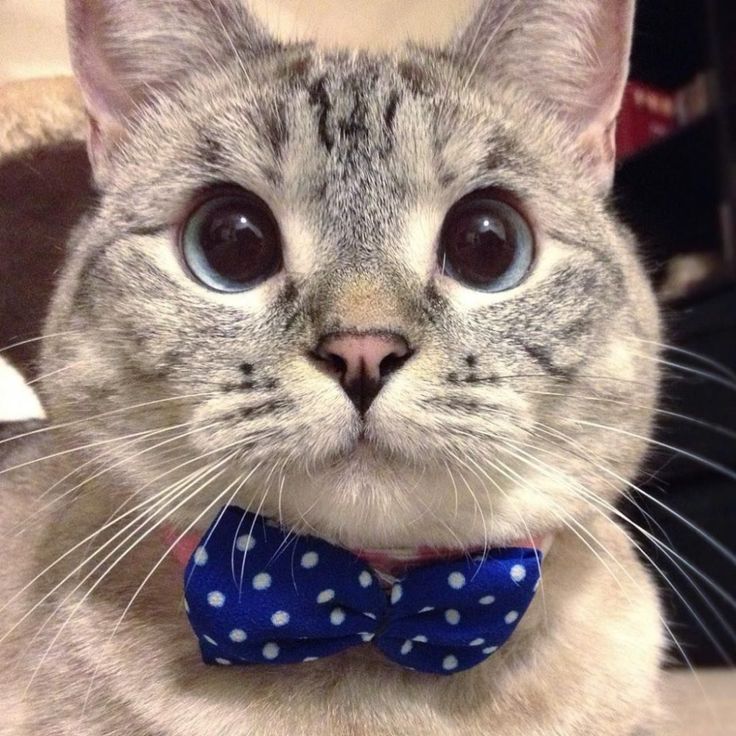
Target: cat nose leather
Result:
[[362, 363]]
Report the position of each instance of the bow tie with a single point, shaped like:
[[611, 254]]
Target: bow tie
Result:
[[257, 596]]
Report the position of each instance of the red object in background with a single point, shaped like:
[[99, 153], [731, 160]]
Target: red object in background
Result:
[[647, 115]]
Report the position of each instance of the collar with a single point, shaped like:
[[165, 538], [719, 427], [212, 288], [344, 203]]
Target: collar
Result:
[[389, 564]]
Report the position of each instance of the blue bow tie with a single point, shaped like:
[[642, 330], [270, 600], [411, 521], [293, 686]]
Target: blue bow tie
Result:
[[254, 596]]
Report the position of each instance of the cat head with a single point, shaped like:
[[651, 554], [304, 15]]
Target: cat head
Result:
[[384, 298]]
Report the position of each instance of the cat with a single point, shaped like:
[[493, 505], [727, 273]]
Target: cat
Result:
[[386, 299]]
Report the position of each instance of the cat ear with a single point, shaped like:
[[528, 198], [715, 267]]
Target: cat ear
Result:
[[571, 54], [126, 51]]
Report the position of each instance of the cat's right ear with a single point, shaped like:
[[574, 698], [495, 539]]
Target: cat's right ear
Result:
[[570, 55], [125, 52]]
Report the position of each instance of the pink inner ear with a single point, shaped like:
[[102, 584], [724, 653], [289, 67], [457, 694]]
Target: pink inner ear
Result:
[[574, 54], [610, 36], [99, 141], [612, 48], [103, 92], [597, 143]]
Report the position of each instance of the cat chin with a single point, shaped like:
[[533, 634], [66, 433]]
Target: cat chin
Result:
[[364, 502]]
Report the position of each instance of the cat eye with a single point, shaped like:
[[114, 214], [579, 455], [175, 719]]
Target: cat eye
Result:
[[486, 244], [231, 241]]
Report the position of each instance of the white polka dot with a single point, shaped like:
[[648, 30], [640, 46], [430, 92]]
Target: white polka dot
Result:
[[511, 616], [280, 618], [421, 638], [452, 616], [365, 579], [310, 659], [490, 650], [427, 609], [216, 599], [337, 616], [220, 660], [486, 600], [245, 543], [262, 581], [238, 635], [536, 585], [271, 650], [370, 615], [456, 580], [396, 593], [326, 595], [406, 647], [366, 636], [310, 560], [200, 556], [186, 605], [210, 640], [449, 663], [518, 573], [477, 642]]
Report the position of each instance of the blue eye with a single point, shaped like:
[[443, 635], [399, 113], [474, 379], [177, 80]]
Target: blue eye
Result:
[[486, 244], [231, 241]]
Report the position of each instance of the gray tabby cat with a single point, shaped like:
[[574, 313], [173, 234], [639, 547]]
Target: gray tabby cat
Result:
[[430, 331]]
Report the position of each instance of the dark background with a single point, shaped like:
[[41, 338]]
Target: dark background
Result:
[[680, 196]]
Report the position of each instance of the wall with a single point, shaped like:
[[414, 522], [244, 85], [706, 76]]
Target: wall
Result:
[[33, 43]]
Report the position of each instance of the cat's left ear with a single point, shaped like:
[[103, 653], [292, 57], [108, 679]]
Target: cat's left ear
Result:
[[125, 53], [572, 55]]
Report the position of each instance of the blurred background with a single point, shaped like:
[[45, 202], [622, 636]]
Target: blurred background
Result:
[[676, 186]]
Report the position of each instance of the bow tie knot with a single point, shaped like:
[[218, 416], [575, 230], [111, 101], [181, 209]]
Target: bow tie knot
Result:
[[254, 596]]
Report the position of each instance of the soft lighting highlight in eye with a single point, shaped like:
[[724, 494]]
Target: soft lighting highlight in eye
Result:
[[486, 244]]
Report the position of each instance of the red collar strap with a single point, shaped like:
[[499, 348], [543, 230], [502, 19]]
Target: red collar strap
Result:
[[388, 564]]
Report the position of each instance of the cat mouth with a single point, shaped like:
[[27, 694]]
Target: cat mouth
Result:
[[361, 447]]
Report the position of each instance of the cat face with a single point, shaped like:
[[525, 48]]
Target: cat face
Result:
[[387, 294]]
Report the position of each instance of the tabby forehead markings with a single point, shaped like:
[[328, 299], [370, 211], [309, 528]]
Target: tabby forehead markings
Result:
[[319, 99]]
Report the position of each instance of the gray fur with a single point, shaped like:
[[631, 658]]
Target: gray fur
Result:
[[360, 156]]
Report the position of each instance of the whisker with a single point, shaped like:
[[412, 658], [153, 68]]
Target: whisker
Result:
[[109, 524], [729, 384], [44, 337], [153, 502], [122, 556], [61, 453], [237, 484], [63, 425], [667, 627], [689, 353], [671, 554], [43, 377], [730, 556], [477, 506], [717, 428], [109, 468], [245, 553]]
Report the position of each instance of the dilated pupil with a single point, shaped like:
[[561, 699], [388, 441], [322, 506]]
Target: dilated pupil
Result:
[[480, 249], [235, 244]]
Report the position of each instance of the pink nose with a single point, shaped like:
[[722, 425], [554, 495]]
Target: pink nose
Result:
[[363, 363]]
